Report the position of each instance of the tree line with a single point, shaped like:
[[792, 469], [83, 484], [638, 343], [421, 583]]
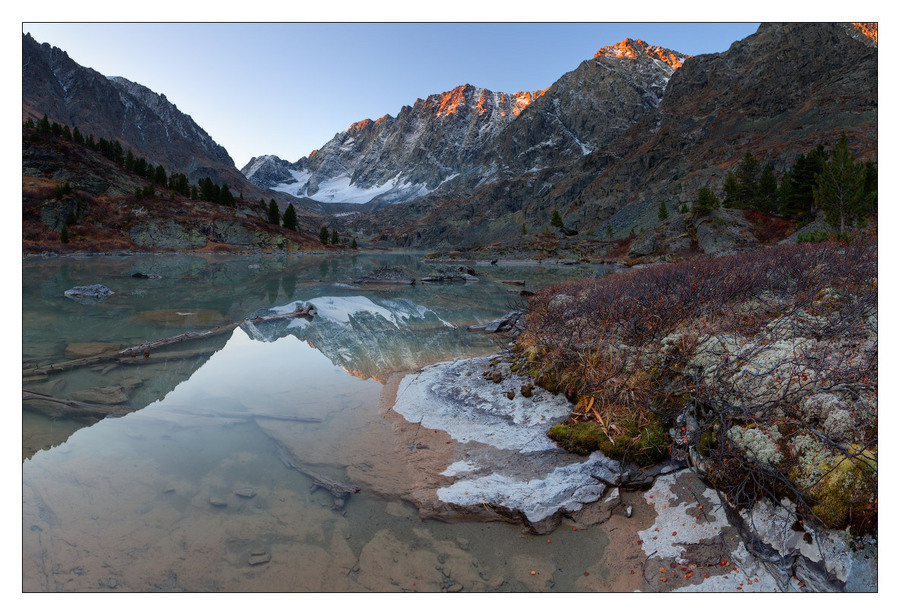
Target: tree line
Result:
[[204, 190], [829, 180]]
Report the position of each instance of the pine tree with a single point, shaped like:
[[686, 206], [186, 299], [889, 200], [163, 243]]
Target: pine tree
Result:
[[524, 229], [797, 186], [840, 189], [226, 198], [706, 200], [870, 188], [289, 221], [323, 235], [747, 180], [663, 213], [767, 191], [732, 191], [273, 211], [354, 245], [64, 234], [335, 239], [556, 219]]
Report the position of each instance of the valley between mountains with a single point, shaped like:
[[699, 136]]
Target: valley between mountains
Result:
[[709, 387]]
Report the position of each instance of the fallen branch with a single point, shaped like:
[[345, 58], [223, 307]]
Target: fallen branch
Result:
[[145, 348], [69, 408], [339, 491]]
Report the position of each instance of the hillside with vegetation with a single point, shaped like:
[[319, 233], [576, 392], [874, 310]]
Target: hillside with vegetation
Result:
[[81, 194]]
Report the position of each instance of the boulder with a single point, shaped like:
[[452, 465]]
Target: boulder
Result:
[[89, 294], [722, 230], [644, 244]]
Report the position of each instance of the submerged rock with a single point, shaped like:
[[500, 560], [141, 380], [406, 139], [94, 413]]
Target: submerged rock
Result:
[[93, 293]]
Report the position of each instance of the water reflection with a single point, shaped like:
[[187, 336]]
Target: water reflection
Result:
[[189, 493], [197, 292]]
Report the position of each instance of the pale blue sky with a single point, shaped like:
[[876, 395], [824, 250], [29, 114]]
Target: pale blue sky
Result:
[[287, 88]]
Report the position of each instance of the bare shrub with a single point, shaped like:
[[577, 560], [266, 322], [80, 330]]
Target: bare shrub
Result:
[[722, 352]]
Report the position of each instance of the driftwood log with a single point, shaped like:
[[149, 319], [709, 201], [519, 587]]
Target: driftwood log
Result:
[[55, 407], [340, 492], [143, 350]]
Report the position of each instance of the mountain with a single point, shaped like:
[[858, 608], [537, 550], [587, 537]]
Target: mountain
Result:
[[470, 136], [776, 94], [584, 110], [398, 159], [115, 108]]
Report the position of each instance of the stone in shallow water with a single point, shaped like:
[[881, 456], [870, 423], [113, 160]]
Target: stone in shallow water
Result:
[[93, 293], [259, 558], [245, 492]]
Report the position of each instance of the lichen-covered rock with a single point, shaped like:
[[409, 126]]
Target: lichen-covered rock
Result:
[[722, 230], [166, 235], [833, 414], [55, 213], [644, 244], [757, 444], [559, 302]]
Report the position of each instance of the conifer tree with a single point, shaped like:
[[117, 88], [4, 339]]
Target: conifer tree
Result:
[[335, 239], [767, 191], [840, 189], [273, 211], [732, 191], [747, 180], [706, 200], [64, 234], [556, 219], [663, 213], [323, 235], [289, 220]]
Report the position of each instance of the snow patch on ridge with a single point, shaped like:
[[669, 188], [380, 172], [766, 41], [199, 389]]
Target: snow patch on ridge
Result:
[[341, 189]]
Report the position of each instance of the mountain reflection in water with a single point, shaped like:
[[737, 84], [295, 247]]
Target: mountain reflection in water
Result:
[[188, 489]]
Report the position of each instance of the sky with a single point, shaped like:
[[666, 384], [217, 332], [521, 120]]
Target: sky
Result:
[[287, 88]]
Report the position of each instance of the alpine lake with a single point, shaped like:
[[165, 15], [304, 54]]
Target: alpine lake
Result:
[[183, 485]]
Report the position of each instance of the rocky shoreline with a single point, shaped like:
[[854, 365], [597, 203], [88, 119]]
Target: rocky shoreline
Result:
[[490, 459]]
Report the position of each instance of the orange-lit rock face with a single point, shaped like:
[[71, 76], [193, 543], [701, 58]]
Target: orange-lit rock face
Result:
[[483, 101], [636, 48], [360, 125], [451, 101], [523, 99], [870, 29]]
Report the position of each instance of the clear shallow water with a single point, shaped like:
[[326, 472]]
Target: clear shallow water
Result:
[[184, 492]]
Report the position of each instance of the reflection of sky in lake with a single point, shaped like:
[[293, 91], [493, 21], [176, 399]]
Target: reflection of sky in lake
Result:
[[126, 502], [286, 376]]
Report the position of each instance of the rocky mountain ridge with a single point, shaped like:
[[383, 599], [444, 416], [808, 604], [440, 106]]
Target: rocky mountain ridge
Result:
[[470, 136], [395, 159], [768, 95]]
